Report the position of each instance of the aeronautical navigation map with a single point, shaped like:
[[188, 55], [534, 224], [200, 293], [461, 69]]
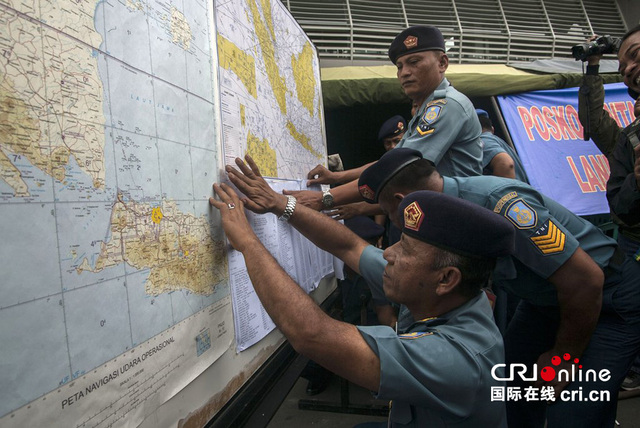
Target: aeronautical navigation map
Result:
[[107, 155], [115, 289], [271, 101]]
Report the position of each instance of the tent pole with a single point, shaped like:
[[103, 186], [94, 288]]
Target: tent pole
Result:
[[503, 125]]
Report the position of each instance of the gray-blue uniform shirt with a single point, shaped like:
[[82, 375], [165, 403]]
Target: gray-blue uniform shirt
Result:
[[494, 145], [438, 372], [547, 236], [446, 131]]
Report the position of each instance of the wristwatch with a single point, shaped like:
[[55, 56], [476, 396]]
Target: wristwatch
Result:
[[288, 209], [327, 199]]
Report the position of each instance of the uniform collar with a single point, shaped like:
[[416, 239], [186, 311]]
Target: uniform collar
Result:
[[444, 83], [444, 318]]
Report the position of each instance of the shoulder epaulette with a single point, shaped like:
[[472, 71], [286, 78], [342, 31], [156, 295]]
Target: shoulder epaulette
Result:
[[439, 94]]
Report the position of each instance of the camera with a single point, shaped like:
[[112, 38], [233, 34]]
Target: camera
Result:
[[601, 45]]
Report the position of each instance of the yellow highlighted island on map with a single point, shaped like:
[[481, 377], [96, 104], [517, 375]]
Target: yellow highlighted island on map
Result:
[[237, 61], [177, 247], [302, 139], [304, 77], [263, 155], [267, 47], [266, 11]]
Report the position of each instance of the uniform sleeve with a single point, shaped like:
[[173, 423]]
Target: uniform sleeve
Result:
[[604, 130], [424, 369], [371, 267], [439, 127], [489, 150], [543, 244], [622, 190]]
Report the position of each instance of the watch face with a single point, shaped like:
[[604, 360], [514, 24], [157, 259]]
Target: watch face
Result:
[[327, 199]]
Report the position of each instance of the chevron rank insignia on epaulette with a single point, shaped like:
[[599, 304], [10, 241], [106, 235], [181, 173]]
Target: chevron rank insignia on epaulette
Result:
[[424, 129], [549, 239]]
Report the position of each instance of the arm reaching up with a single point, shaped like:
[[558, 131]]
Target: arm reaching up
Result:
[[323, 231], [336, 345]]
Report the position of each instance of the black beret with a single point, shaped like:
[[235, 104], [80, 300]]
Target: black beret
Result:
[[394, 126], [364, 227], [374, 178], [416, 39], [456, 225]]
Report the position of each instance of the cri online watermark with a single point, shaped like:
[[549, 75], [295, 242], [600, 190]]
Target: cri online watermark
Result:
[[547, 374]]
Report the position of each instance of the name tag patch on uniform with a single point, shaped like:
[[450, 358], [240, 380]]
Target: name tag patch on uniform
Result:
[[503, 200], [549, 238], [521, 215], [415, 335]]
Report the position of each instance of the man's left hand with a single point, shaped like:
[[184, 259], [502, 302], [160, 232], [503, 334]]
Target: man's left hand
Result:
[[234, 221]]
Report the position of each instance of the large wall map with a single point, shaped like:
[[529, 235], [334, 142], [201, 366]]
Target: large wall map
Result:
[[115, 288], [115, 118]]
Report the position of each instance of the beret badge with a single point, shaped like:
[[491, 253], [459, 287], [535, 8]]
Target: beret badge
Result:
[[367, 192], [413, 216], [411, 42], [400, 126]]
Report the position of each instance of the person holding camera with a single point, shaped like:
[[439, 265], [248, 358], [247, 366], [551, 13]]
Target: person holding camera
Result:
[[596, 121], [621, 146], [623, 187]]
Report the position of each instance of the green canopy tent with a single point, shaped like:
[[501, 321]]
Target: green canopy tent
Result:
[[358, 99]]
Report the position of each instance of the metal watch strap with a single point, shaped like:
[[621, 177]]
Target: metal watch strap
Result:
[[288, 210], [327, 195]]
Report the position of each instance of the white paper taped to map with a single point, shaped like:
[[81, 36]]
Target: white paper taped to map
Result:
[[305, 263]]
